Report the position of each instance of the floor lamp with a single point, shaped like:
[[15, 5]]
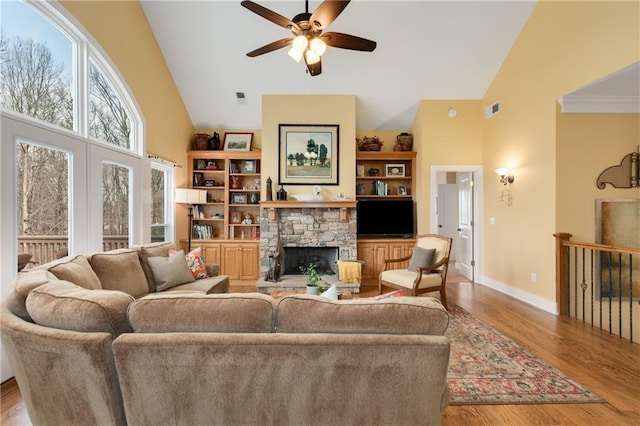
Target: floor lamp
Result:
[[192, 197]]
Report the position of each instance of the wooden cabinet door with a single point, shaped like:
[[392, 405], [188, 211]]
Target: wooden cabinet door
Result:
[[373, 255], [398, 250], [211, 253], [381, 252], [231, 261], [249, 257]]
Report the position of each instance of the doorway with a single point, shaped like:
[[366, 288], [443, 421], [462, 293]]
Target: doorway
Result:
[[457, 206]]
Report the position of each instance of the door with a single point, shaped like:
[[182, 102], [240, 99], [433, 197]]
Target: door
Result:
[[448, 216], [465, 224]]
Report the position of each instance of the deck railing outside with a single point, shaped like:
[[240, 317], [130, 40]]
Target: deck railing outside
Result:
[[44, 248], [599, 285]]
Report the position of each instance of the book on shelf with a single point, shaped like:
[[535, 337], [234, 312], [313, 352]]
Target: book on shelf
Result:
[[204, 232]]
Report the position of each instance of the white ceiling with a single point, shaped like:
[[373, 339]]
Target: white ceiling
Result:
[[426, 50]]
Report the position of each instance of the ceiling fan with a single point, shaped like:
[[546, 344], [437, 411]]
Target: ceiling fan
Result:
[[308, 41]]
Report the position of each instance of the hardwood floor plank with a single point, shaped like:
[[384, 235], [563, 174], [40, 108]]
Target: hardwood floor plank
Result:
[[607, 365]]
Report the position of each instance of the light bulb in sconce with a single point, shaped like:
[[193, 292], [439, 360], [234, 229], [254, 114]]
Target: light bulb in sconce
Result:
[[505, 177]]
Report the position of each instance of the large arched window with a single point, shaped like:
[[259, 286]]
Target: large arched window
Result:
[[72, 142]]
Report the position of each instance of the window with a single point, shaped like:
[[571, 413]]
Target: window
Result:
[[161, 202], [65, 107]]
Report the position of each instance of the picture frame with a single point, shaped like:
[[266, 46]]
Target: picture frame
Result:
[[402, 190], [210, 182], [236, 217], [394, 170], [308, 154], [237, 141], [249, 166], [238, 198], [201, 165]]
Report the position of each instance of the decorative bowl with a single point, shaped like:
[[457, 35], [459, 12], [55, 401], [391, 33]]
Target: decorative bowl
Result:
[[307, 197]]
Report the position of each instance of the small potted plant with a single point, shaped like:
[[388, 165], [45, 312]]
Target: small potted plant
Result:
[[313, 279]]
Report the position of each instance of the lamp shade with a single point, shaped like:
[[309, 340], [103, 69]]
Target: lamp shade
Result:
[[190, 196]]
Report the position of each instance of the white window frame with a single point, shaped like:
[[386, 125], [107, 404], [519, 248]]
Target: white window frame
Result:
[[169, 212]]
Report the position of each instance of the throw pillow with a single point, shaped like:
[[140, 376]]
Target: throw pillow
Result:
[[396, 293], [170, 271], [331, 293], [420, 258], [195, 262], [77, 270], [120, 270]]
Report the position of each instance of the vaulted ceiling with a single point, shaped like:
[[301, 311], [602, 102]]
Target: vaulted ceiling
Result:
[[425, 50]]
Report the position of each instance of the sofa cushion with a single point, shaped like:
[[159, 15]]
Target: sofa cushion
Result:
[[77, 270], [219, 313], [120, 270], [170, 271], [22, 285], [398, 315], [420, 258], [209, 285], [152, 250], [64, 305]]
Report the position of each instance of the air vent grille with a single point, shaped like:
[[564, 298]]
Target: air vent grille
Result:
[[492, 109]]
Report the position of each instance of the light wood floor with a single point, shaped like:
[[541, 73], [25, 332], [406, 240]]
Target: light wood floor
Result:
[[608, 366]]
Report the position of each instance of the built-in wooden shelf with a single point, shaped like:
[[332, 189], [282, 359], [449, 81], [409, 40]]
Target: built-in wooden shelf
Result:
[[273, 206]]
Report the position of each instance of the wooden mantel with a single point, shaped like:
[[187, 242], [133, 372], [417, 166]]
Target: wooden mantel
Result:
[[273, 206]]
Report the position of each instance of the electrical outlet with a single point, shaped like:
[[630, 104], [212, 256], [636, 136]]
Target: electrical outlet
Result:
[[534, 277], [492, 221]]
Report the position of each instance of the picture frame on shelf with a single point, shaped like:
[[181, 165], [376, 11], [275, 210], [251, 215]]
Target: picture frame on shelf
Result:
[[201, 165], [359, 170], [308, 154], [238, 198], [236, 141], [198, 179], [236, 217], [249, 166], [209, 182], [402, 190], [394, 170], [211, 165]]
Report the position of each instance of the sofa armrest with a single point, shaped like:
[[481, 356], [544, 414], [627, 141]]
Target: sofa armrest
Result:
[[213, 269]]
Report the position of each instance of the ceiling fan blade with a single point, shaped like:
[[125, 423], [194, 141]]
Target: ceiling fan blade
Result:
[[270, 47], [314, 69], [327, 12], [346, 41], [269, 14]]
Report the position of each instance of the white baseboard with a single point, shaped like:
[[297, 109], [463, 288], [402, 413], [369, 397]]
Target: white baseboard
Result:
[[524, 296]]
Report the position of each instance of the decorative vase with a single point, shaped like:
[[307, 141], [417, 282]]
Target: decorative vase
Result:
[[404, 142], [214, 142], [313, 290], [200, 141], [269, 190], [235, 182]]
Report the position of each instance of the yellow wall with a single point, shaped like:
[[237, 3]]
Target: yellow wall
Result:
[[588, 144], [563, 46], [310, 109], [442, 140], [121, 28]]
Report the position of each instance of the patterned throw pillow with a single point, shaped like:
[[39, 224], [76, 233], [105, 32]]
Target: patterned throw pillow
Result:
[[195, 262], [396, 293]]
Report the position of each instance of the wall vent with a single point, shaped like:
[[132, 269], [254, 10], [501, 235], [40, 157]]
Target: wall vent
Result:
[[492, 109], [241, 98]]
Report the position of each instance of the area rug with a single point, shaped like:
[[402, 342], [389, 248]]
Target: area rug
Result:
[[486, 367]]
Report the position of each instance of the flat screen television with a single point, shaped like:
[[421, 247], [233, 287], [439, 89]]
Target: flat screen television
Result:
[[385, 218]]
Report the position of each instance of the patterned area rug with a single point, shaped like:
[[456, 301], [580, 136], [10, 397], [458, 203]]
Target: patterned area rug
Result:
[[487, 367]]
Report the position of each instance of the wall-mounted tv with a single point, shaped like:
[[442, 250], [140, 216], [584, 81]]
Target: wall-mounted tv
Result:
[[385, 218]]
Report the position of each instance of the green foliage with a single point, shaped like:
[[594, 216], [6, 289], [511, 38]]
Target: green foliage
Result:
[[312, 275]]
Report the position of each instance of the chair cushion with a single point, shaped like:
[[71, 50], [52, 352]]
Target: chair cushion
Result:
[[77, 270], [421, 258], [213, 313], [120, 270], [66, 306], [405, 278], [170, 271], [397, 315], [22, 286]]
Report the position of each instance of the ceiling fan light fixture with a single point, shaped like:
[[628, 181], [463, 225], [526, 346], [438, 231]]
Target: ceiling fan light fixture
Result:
[[300, 43], [311, 57], [296, 55], [318, 46]]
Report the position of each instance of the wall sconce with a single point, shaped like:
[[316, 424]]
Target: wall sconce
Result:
[[505, 177]]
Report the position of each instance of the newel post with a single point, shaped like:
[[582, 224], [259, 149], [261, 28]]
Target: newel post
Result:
[[562, 271]]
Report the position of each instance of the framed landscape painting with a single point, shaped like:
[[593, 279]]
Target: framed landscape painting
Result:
[[308, 154], [237, 141]]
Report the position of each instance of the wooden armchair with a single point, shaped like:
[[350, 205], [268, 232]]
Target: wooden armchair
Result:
[[427, 270]]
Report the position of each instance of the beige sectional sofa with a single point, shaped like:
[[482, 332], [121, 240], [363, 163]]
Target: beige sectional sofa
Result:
[[109, 357]]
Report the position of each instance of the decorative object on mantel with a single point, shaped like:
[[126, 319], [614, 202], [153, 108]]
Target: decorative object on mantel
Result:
[[404, 142], [269, 189], [281, 195], [625, 175], [200, 141], [369, 143], [214, 142]]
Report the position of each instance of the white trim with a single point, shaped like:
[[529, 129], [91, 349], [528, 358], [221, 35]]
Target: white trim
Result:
[[477, 210], [524, 296], [600, 104]]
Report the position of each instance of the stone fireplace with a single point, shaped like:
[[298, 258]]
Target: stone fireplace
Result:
[[308, 227]]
